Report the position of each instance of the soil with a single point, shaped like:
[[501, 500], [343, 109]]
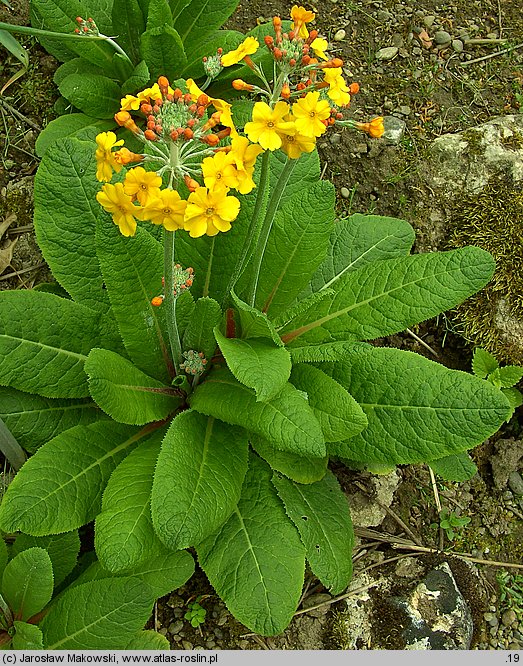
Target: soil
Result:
[[433, 88]]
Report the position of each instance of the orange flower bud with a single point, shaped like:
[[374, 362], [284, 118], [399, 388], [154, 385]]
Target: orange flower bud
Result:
[[188, 133], [187, 98], [211, 140], [269, 41], [354, 88], [125, 156], [238, 84], [191, 183], [191, 122], [123, 118], [150, 135], [146, 108], [163, 82], [248, 61], [178, 94], [312, 36], [174, 135], [278, 53], [285, 91], [151, 124], [203, 100], [223, 133], [157, 301]]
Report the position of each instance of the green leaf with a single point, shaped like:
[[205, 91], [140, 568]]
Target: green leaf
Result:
[[458, 467], [127, 394], [162, 50], [253, 323], [60, 487], [124, 534], [306, 171], [27, 636], [257, 363], [44, 343], [198, 479], [321, 514], [65, 219], [303, 469], [199, 333], [158, 14], [483, 363], [510, 375], [4, 555], [286, 421], [132, 270], [388, 296], [128, 21], [359, 240], [63, 550], [198, 49], [35, 420], [67, 126], [27, 583], [148, 640], [514, 397], [98, 615], [75, 66], [138, 79], [255, 562], [199, 19], [296, 246], [417, 409], [328, 351], [339, 415], [93, 94]]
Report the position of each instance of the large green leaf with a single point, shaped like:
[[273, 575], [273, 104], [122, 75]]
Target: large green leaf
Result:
[[27, 636], [253, 323], [34, 420], [124, 534], [359, 240], [198, 478], [27, 583], [256, 561], [296, 246], [199, 334], [328, 351], [65, 219], [387, 296], [199, 19], [127, 394], [132, 270], [458, 467], [148, 640], [128, 21], [303, 469], [60, 488], [286, 421], [162, 50], [4, 555], [417, 409], [321, 513], [67, 126], [158, 14], [258, 363], [307, 169], [44, 342], [339, 415], [63, 550], [93, 94], [98, 615]]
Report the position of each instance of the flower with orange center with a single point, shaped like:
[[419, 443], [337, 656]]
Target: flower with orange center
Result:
[[115, 201], [267, 125], [142, 185], [105, 159], [167, 208], [210, 211], [309, 112], [247, 47], [219, 170], [338, 89], [300, 16], [294, 145], [319, 46]]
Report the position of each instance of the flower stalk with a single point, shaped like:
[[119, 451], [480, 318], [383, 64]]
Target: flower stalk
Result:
[[169, 301]]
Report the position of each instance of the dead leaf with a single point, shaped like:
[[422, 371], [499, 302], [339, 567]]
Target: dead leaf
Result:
[[6, 255], [6, 223], [425, 39]]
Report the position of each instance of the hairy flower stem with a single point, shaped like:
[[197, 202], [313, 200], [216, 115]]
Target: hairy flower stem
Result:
[[253, 230], [11, 448], [170, 300], [261, 244]]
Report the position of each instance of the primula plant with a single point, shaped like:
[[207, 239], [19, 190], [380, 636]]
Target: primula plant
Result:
[[207, 349]]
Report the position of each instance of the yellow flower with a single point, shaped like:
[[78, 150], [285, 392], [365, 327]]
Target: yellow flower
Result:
[[319, 46], [105, 160], [308, 112], [210, 211], [167, 208], [115, 201], [338, 89], [142, 185], [219, 104], [246, 48], [300, 16], [129, 103], [244, 155], [294, 145], [267, 125], [219, 170], [245, 181]]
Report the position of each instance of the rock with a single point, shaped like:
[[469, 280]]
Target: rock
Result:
[[408, 567], [315, 600], [442, 37], [428, 20], [360, 149], [508, 618], [340, 35], [365, 507], [175, 627], [394, 130], [505, 461], [383, 15], [397, 40], [387, 53], [187, 645], [457, 45], [417, 51], [335, 138], [515, 483], [345, 192], [404, 110]]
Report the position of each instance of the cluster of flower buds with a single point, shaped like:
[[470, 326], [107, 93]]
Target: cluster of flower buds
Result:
[[86, 27], [212, 65], [182, 281], [194, 362]]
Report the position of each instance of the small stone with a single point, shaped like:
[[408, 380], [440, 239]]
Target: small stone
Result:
[[394, 130], [187, 645], [417, 51], [514, 646], [492, 35], [397, 40], [345, 192], [494, 622], [387, 53], [175, 627], [335, 138], [515, 483], [163, 631], [383, 15], [457, 45], [404, 110], [428, 20], [489, 617], [340, 35], [360, 149], [442, 37], [508, 617]]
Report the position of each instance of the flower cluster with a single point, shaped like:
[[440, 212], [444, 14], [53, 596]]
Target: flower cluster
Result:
[[182, 141]]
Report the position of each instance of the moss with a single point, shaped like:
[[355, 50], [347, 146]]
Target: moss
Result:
[[473, 137], [493, 220]]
